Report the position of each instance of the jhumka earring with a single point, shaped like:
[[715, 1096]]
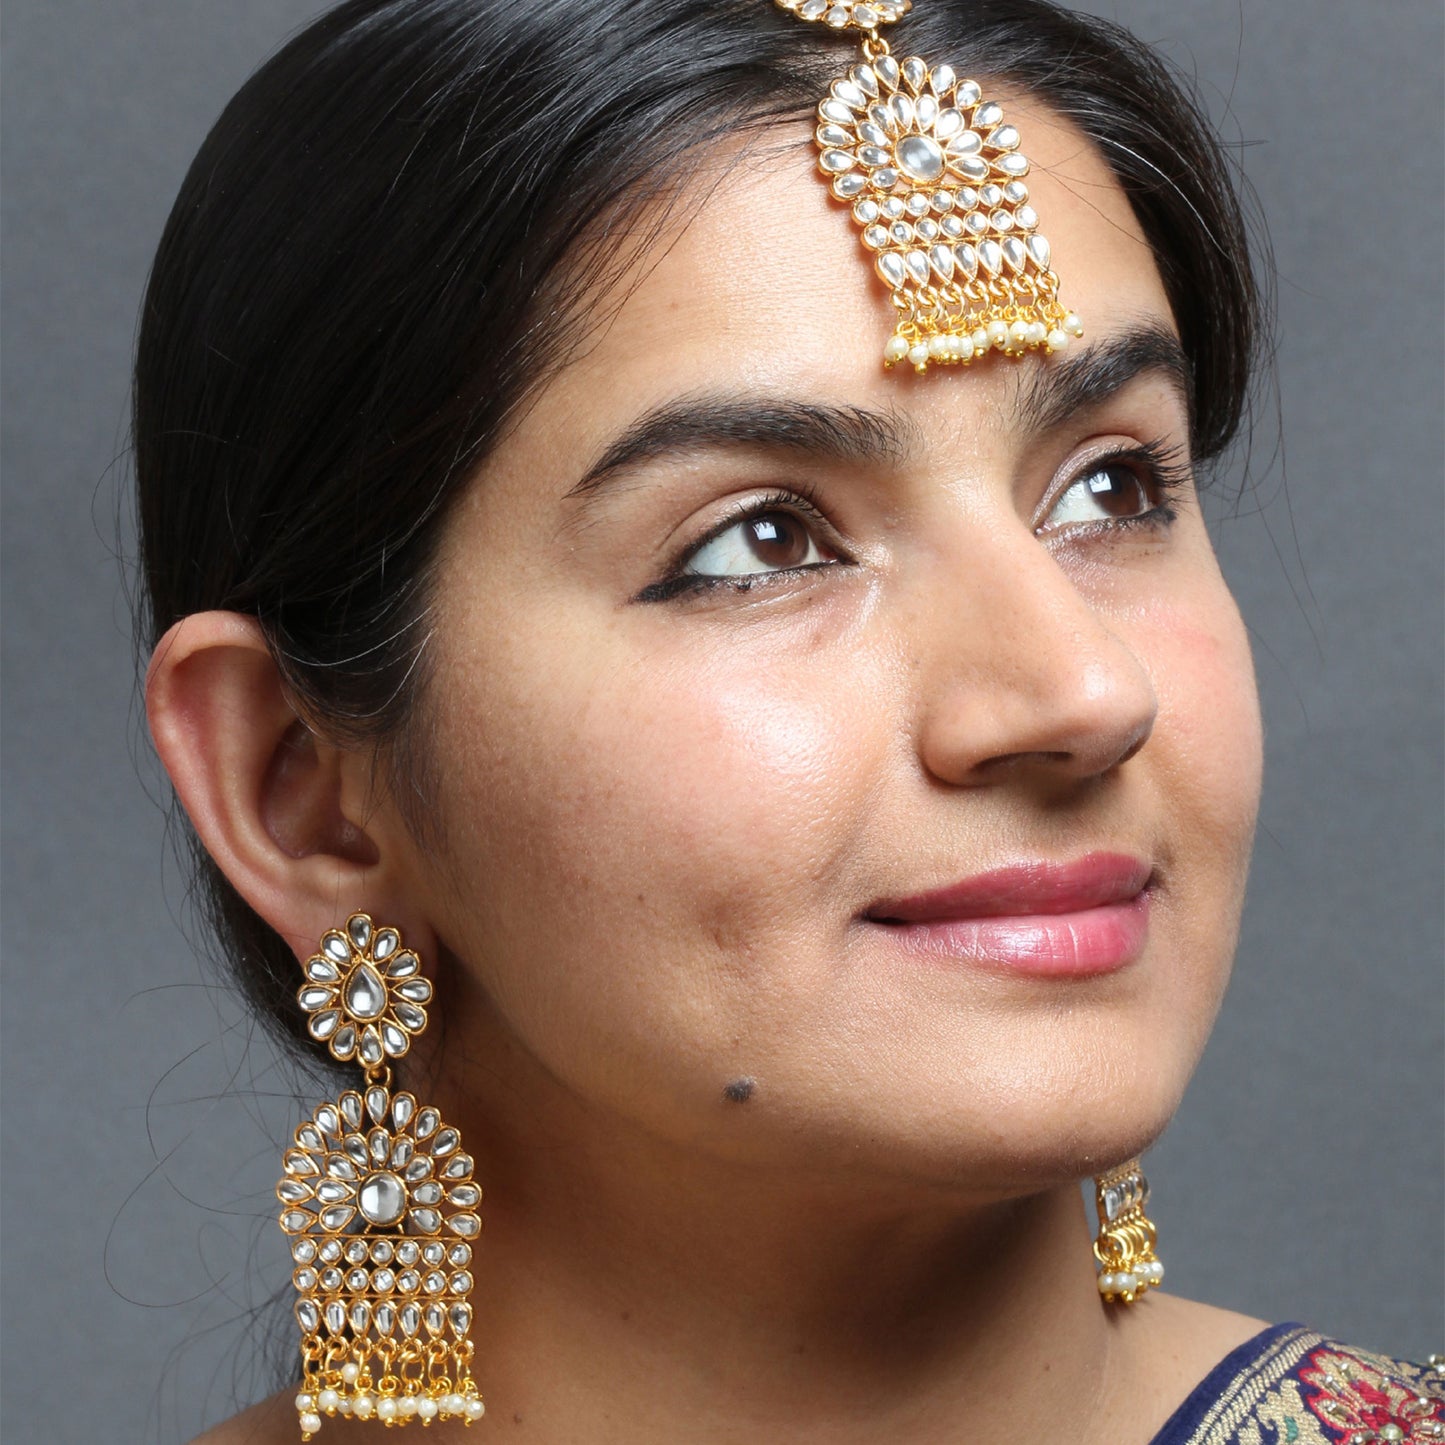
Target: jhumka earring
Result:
[[935, 178], [380, 1206], [1128, 1266]]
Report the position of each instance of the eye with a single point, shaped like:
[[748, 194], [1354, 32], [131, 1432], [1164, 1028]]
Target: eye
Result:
[[1106, 492], [1126, 489], [766, 539]]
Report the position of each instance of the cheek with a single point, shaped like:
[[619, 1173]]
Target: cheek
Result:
[[654, 833]]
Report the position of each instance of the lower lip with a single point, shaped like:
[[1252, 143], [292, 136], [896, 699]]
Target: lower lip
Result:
[[1053, 945]]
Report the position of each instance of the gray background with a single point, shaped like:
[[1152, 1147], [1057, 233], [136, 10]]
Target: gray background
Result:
[[1303, 1178]]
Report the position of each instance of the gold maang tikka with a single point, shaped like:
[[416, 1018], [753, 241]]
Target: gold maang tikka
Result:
[[1124, 1248], [379, 1204], [935, 178]]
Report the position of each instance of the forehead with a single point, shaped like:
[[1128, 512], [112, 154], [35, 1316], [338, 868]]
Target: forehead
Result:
[[759, 284]]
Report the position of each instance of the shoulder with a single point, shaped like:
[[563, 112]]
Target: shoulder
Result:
[[272, 1422], [1289, 1382]]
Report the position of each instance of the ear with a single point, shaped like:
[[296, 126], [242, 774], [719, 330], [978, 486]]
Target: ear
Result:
[[288, 817]]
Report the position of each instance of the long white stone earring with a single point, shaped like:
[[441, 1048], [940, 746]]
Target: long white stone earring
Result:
[[380, 1206]]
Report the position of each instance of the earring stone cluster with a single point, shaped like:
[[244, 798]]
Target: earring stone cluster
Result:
[[380, 1206], [1124, 1248]]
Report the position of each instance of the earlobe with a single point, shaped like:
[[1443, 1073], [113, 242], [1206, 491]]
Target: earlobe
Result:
[[264, 794]]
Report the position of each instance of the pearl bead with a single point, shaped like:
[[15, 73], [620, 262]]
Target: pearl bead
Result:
[[305, 1401], [350, 1372], [1018, 333], [980, 341], [328, 1400], [344, 1408], [997, 333], [1057, 339], [475, 1409], [426, 1407], [1038, 333], [310, 1422], [1128, 1283], [1106, 1284], [896, 349], [406, 1406], [386, 1408], [938, 347], [965, 348], [1073, 325], [918, 355], [363, 1407]]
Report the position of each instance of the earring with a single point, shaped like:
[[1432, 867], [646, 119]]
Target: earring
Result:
[[380, 1206], [1128, 1266]]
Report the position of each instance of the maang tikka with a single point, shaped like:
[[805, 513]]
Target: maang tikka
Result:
[[380, 1206], [935, 178]]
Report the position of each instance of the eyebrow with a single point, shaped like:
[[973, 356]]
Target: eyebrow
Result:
[[862, 436]]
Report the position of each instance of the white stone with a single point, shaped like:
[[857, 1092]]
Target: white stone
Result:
[[382, 1198]]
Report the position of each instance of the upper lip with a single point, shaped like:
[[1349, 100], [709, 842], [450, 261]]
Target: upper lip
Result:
[[1035, 886]]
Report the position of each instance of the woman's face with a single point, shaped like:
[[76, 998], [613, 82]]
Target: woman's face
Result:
[[966, 634]]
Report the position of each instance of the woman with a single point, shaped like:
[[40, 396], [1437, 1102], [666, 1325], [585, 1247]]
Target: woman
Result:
[[820, 794]]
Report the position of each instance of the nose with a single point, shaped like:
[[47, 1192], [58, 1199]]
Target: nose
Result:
[[1021, 668]]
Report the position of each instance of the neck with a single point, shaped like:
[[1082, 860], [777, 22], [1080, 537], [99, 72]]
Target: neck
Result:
[[629, 1288]]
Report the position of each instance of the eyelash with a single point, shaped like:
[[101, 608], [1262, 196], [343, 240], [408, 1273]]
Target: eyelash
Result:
[[1163, 467]]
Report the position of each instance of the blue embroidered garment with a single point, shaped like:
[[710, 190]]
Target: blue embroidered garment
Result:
[[1291, 1386]]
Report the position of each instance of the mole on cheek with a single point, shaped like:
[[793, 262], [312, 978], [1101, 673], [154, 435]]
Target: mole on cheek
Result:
[[739, 1091]]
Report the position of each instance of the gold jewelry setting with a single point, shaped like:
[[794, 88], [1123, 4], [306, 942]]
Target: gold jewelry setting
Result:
[[934, 175], [379, 1201], [1128, 1265]]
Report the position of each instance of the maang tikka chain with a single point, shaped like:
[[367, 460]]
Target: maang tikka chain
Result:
[[380, 1206], [935, 178]]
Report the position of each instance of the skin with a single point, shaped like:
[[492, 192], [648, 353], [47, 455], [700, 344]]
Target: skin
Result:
[[751, 1172]]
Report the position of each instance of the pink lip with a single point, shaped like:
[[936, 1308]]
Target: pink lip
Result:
[[1070, 920]]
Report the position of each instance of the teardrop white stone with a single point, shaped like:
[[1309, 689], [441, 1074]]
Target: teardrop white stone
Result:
[[948, 125], [323, 1025], [355, 1147], [402, 1109], [902, 108], [338, 1166], [365, 993], [384, 1318], [849, 94], [863, 77], [394, 1040], [941, 259], [873, 135], [382, 1198], [295, 1220], [890, 268], [836, 111], [968, 93], [465, 1196], [970, 167], [882, 116], [1039, 250], [369, 1050], [426, 1220], [989, 114], [1003, 138], [350, 1105], [338, 1217], [845, 187], [832, 136], [941, 80], [925, 112], [1013, 164], [459, 1316], [410, 1319], [308, 1316], [886, 69], [322, 970], [358, 929], [335, 946], [315, 996], [875, 156], [466, 1225], [385, 945], [990, 256], [428, 1193], [836, 162], [917, 264], [967, 259], [965, 143], [915, 74], [336, 1317], [435, 1318]]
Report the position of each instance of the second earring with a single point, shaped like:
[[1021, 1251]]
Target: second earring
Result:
[[380, 1206]]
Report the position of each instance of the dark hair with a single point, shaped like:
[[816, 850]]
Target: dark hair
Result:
[[374, 257]]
